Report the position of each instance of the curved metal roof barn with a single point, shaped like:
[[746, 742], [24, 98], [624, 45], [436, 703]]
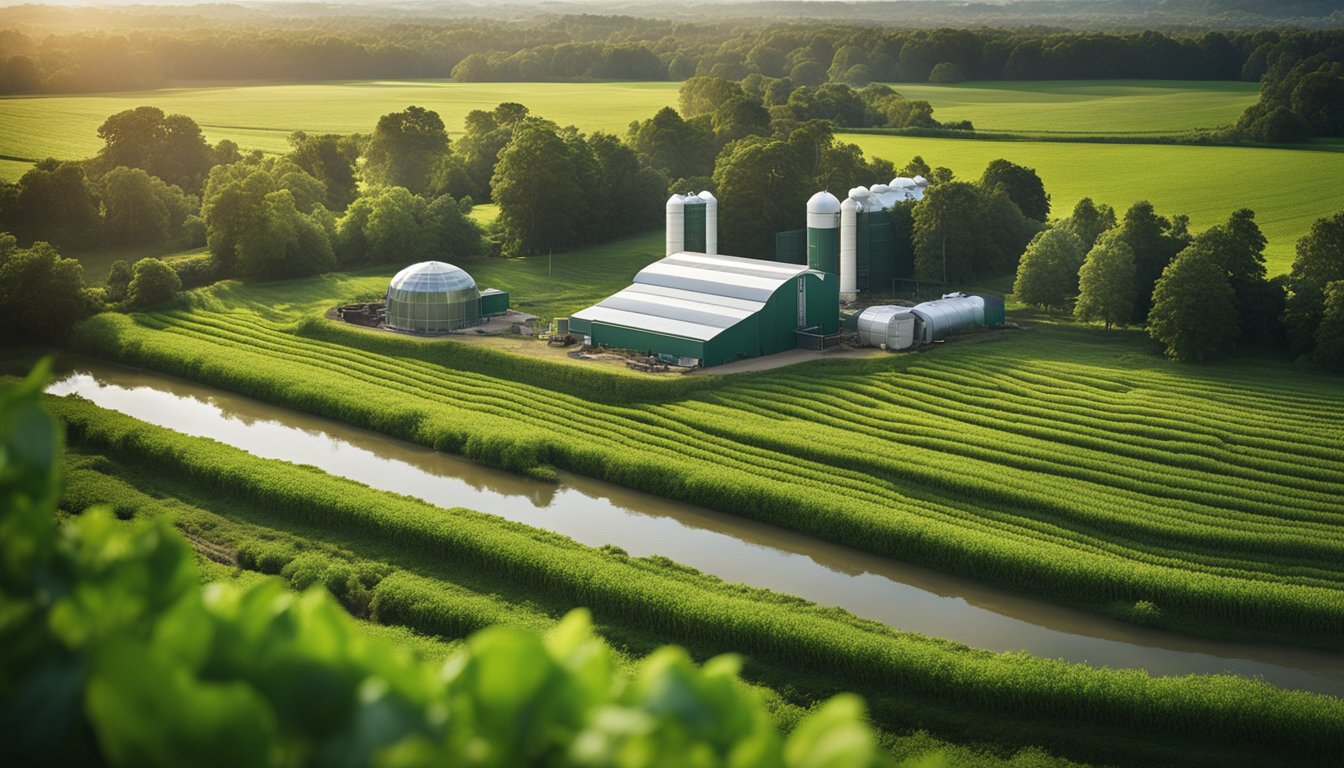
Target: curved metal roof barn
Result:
[[946, 316], [432, 297]]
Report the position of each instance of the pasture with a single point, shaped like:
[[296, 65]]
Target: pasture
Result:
[[1287, 188], [1068, 462]]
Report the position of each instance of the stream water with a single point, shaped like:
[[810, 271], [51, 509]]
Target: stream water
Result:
[[737, 550]]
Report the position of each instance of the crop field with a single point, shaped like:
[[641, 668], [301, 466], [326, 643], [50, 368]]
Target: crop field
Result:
[[1068, 462], [1088, 107], [445, 573], [1287, 188]]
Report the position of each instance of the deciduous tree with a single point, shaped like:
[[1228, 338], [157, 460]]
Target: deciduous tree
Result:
[[154, 283], [1047, 275], [1194, 312], [1107, 283]]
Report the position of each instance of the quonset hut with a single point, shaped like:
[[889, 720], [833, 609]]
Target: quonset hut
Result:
[[708, 309], [435, 297]]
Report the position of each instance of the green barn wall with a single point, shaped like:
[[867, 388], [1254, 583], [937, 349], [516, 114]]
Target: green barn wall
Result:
[[694, 228]]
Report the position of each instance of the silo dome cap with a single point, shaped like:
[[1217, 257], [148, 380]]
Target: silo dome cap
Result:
[[707, 196], [823, 202], [432, 276]]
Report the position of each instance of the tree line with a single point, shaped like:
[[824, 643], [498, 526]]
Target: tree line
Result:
[[622, 48], [1201, 296]]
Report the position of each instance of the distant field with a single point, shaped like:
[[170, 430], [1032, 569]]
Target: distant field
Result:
[[262, 116], [1093, 107], [1287, 188]]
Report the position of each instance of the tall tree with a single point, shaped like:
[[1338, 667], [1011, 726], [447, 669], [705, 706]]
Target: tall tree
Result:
[[142, 209], [1088, 221], [761, 187], [170, 147], [42, 293], [1047, 275], [1022, 186], [1155, 241], [53, 202], [678, 148], [153, 283], [405, 148], [1194, 312], [330, 159], [1319, 262], [1329, 352], [1106, 283], [703, 95], [540, 202]]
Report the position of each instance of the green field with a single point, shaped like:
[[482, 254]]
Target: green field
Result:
[[1068, 462], [263, 116], [446, 573], [1287, 188], [1089, 107]]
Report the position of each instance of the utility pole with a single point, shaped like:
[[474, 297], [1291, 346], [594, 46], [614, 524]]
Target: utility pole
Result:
[[944, 262]]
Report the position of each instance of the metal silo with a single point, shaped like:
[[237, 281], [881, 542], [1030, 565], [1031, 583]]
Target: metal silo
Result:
[[823, 230], [849, 249], [676, 224], [947, 316], [711, 222]]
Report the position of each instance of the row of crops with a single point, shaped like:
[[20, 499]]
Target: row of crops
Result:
[[1060, 471], [1204, 718]]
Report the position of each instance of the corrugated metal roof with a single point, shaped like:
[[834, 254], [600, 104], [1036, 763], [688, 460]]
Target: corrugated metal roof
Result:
[[693, 295]]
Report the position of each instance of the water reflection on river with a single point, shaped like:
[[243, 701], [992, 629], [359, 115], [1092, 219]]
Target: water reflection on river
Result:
[[596, 513]]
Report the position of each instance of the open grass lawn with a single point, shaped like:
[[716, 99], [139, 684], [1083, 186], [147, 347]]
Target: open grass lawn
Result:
[[1287, 188], [1088, 107]]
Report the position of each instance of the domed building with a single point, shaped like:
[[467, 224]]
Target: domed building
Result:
[[432, 297]]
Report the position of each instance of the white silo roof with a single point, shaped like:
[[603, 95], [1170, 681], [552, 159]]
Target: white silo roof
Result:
[[823, 202]]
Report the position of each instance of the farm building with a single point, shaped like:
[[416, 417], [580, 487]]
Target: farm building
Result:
[[856, 238], [435, 297], [714, 309]]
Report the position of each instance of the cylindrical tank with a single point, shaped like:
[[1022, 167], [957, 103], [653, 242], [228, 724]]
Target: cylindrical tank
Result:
[[711, 222], [849, 250], [823, 230], [676, 221], [889, 326]]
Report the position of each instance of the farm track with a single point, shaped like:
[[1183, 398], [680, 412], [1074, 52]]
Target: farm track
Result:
[[1051, 475]]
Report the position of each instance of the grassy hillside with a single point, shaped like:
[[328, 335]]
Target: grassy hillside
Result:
[[1067, 462], [1287, 188], [448, 572]]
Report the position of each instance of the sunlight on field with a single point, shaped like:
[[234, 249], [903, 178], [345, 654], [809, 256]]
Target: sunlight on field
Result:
[[1288, 189], [263, 116], [1106, 107]]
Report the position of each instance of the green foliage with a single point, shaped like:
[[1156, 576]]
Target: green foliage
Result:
[[1329, 352], [118, 281], [762, 186], [264, 220], [116, 653], [704, 95], [1047, 275], [1106, 283], [1319, 262], [1154, 240], [170, 147], [1194, 312], [404, 149], [1088, 221], [678, 148], [42, 293], [329, 158], [963, 232], [140, 209], [54, 203], [153, 283], [194, 271], [946, 72], [1022, 186]]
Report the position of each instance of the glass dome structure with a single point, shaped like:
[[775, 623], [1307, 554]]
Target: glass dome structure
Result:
[[432, 297]]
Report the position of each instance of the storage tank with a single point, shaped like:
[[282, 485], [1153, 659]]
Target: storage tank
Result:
[[676, 224], [711, 222], [823, 233], [432, 297], [849, 250], [889, 326], [947, 316]]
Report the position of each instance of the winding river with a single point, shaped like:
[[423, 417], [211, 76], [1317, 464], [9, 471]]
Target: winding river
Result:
[[737, 550]]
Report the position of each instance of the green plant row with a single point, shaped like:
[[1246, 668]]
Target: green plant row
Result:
[[1191, 710], [858, 454]]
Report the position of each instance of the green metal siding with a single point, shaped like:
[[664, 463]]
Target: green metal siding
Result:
[[791, 246], [823, 250], [823, 302], [875, 232], [694, 228], [580, 327], [494, 302], [646, 342]]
